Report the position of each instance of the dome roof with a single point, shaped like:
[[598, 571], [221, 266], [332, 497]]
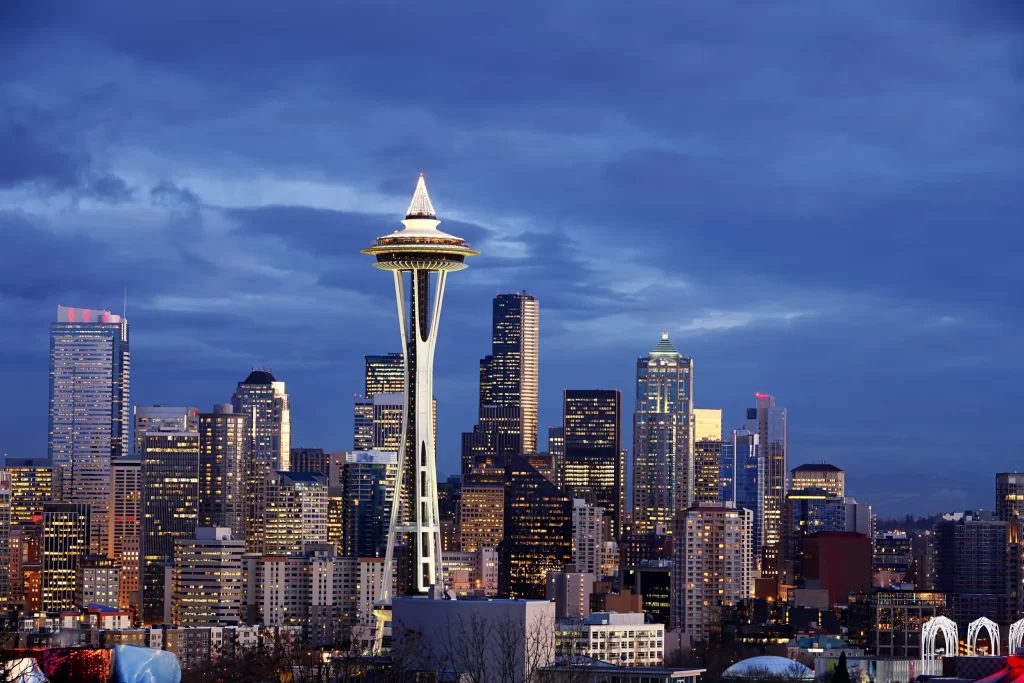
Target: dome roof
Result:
[[760, 668]]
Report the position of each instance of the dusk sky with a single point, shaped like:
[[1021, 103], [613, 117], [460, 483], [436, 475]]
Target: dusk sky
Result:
[[823, 201]]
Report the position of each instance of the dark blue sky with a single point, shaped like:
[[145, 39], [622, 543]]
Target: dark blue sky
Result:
[[822, 201]]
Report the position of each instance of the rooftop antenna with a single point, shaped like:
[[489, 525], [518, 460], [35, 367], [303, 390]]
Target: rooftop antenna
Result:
[[124, 309]]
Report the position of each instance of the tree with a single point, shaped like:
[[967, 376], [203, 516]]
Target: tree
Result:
[[841, 675]]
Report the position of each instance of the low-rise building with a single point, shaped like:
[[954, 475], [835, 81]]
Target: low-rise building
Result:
[[612, 638]]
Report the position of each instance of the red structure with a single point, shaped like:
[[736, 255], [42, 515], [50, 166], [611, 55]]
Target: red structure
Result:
[[839, 562]]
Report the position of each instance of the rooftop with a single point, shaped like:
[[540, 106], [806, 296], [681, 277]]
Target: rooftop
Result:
[[259, 377], [665, 347], [816, 467]]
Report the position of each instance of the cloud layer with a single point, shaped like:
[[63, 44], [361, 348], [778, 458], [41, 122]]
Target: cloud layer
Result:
[[820, 204]]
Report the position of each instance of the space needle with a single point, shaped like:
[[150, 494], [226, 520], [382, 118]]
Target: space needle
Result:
[[420, 256]]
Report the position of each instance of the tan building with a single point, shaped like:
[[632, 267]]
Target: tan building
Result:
[[712, 564], [481, 512], [707, 424], [828, 478]]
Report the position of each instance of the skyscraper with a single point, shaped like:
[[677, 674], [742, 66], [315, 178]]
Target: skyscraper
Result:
[[296, 512], [224, 460], [419, 256], [168, 418], [712, 564], [481, 510], [66, 531], [385, 374], [822, 476], [5, 537], [89, 415], [170, 509], [707, 424], [268, 406], [367, 491], [126, 524], [594, 468], [741, 479], [1009, 495], [538, 532], [588, 534], [31, 486], [310, 460], [509, 377], [771, 424], [806, 512], [662, 437], [707, 470]]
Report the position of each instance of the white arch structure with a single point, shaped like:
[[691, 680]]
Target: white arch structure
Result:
[[1016, 639], [974, 630], [931, 629]]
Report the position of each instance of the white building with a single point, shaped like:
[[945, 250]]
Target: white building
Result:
[[295, 513], [207, 587], [711, 564], [612, 638], [587, 537], [475, 637], [99, 582]]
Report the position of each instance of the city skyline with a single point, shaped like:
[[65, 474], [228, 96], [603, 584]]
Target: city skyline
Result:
[[237, 247]]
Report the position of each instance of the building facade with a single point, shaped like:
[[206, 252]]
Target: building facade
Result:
[[588, 534], [594, 466], [712, 564], [509, 376], [612, 638], [99, 582], [161, 418], [66, 539], [1009, 495], [663, 437], [224, 462], [264, 400], [828, 478], [367, 492], [771, 424], [31, 484], [90, 372], [481, 511], [207, 588], [538, 532], [170, 511], [126, 525]]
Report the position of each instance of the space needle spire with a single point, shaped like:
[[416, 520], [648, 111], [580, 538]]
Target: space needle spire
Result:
[[420, 256]]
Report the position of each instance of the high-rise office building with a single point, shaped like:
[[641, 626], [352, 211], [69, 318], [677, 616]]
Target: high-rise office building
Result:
[[31, 484], [663, 434], [556, 448], [973, 561], [207, 583], [712, 564], [509, 376], [126, 525], [6, 562], [588, 533], [741, 480], [264, 400], [828, 478], [1009, 495], [495, 436], [367, 481], [385, 374], [481, 510], [538, 532], [771, 424], [707, 465], [162, 418], [362, 424], [296, 512], [98, 582], [707, 424], [594, 468], [224, 461], [420, 257], [66, 531], [310, 460], [893, 552], [89, 422], [170, 510], [806, 512]]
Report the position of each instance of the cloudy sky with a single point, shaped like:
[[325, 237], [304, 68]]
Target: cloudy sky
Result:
[[821, 201]]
